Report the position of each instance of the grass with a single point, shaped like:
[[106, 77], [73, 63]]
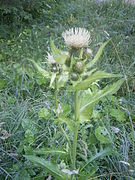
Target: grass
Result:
[[24, 92]]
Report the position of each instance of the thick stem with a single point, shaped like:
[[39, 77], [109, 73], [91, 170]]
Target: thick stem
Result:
[[77, 113]]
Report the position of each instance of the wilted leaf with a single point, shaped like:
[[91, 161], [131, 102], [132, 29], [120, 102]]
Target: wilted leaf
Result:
[[4, 135]]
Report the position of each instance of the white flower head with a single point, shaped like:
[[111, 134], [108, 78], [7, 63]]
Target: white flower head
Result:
[[51, 59], [76, 37]]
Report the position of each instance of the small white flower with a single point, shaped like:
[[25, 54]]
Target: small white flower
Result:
[[51, 59], [76, 37]]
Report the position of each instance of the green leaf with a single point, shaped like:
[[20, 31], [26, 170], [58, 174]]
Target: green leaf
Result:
[[118, 114], [40, 79], [44, 113], [102, 135], [49, 151], [41, 71], [11, 100], [39, 177], [29, 136], [28, 124], [86, 114], [69, 122], [49, 167], [103, 152], [108, 90], [59, 56], [99, 53], [52, 78], [94, 77], [1, 57], [21, 175], [2, 83], [62, 80]]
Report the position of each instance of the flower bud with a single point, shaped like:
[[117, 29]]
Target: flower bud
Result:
[[68, 61], [78, 67], [51, 59], [74, 76]]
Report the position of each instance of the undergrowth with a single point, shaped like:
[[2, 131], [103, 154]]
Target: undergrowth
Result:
[[26, 103]]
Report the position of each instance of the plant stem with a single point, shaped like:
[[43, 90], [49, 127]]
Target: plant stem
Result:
[[77, 113], [57, 114], [56, 97]]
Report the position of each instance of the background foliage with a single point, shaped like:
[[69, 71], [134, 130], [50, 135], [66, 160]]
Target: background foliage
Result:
[[26, 105]]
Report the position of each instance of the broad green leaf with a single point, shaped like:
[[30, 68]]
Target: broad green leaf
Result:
[[104, 152], [108, 90], [49, 151], [99, 53], [118, 114], [62, 80], [41, 70], [52, 78], [86, 114], [84, 99], [94, 77], [59, 56], [102, 135], [49, 167]]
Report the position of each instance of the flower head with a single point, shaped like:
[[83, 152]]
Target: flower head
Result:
[[51, 59], [76, 37]]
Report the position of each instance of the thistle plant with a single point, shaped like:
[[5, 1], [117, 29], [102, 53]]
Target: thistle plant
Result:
[[76, 71]]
